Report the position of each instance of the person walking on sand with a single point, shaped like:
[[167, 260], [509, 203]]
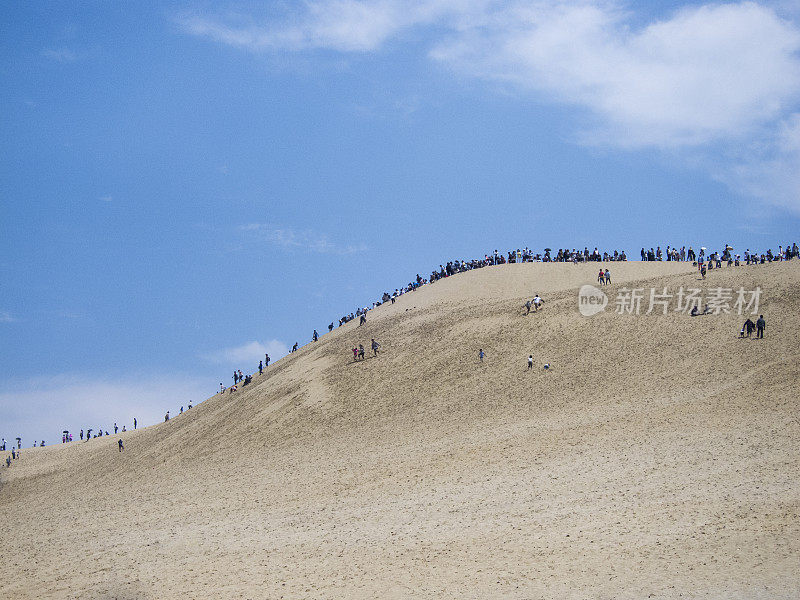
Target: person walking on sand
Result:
[[134, 422], [530, 362], [315, 336], [601, 277], [121, 447], [537, 303], [361, 352], [481, 354], [748, 327], [260, 367], [608, 277], [375, 346], [761, 324], [527, 307], [355, 352], [266, 360], [166, 417], [115, 429]]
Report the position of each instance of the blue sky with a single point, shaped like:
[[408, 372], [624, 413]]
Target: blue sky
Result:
[[185, 185]]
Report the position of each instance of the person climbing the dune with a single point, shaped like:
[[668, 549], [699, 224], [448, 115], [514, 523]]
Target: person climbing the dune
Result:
[[537, 302], [121, 447], [375, 346], [361, 351]]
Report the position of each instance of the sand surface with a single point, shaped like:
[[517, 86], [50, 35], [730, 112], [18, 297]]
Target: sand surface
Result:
[[658, 458]]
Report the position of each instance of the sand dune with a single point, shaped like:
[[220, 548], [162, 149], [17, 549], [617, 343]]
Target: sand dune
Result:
[[657, 458]]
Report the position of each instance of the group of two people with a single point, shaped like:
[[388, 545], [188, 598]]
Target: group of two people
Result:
[[536, 303], [358, 351], [749, 326]]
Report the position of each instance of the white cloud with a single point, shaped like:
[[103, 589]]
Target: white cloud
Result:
[[703, 79], [6, 317], [290, 238], [106, 198], [709, 73], [771, 170], [248, 354], [42, 407]]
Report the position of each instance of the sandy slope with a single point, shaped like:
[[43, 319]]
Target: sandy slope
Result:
[[658, 458]]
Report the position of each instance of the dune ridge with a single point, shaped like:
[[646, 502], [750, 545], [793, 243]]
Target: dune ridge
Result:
[[657, 458]]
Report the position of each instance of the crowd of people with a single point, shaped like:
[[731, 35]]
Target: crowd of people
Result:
[[66, 438], [727, 255], [702, 258]]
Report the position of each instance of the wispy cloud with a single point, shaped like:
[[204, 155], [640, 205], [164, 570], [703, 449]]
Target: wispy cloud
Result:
[[42, 407], [6, 317], [702, 79], [771, 170], [106, 198], [62, 55], [290, 238], [248, 354], [344, 25]]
